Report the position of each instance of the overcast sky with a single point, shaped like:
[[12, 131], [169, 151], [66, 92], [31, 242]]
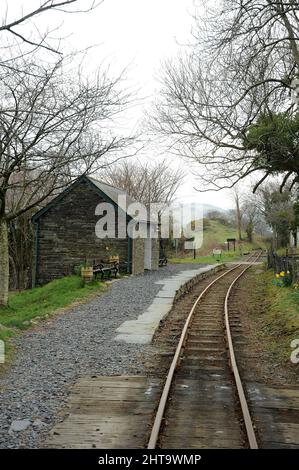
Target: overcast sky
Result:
[[140, 34]]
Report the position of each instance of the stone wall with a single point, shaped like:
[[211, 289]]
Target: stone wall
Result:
[[67, 235], [188, 286], [138, 256], [155, 253]]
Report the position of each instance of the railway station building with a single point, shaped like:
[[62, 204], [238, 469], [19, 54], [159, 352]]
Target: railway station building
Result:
[[65, 235]]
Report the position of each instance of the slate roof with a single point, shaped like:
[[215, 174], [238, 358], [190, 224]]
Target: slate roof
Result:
[[111, 191]]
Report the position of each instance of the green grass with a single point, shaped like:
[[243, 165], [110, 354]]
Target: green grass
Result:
[[214, 236], [27, 307], [279, 323], [281, 251], [209, 259]]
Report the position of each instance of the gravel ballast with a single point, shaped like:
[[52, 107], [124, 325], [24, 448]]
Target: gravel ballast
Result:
[[78, 342]]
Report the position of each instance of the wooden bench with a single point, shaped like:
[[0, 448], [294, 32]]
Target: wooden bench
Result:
[[123, 267], [106, 268], [162, 261]]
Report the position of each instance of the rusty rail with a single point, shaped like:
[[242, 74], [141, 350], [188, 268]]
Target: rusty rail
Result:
[[242, 398], [165, 393]]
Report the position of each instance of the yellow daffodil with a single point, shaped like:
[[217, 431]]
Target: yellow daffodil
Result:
[[282, 274], [277, 276]]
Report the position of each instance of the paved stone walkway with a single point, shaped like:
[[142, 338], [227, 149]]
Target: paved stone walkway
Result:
[[141, 331]]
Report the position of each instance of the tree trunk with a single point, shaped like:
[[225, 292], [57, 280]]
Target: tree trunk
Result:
[[249, 231], [4, 263], [239, 217]]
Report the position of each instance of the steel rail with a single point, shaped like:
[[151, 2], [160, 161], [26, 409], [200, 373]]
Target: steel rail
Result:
[[165, 393], [233, 363]]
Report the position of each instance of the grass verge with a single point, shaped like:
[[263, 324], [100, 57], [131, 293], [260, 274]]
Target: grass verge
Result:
[[28, 307], [278, 319], [209, 259]]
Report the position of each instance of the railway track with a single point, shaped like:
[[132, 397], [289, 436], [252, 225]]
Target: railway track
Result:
[[203, 403]]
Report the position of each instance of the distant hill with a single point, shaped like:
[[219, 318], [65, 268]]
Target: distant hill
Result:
[[215, 235], [209, 207], [206, 208]]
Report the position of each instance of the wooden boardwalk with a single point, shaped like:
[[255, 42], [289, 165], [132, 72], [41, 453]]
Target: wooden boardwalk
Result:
[[107, 412], [117, 412], [276, 414]]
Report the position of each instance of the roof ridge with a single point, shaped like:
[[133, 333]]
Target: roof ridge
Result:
[[108, 184]]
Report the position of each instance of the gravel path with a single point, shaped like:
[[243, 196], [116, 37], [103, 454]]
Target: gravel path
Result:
[[78, 342]]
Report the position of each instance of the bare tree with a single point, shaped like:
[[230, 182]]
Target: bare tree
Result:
[[144, 182], [238, 211], [53, 127], [33, 37], [250, 217], [21, 247], [240, 66], [277, 208]]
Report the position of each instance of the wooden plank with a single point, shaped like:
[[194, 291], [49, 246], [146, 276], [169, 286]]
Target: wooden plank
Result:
[[273, 397], [276, 414], [107, 412]]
